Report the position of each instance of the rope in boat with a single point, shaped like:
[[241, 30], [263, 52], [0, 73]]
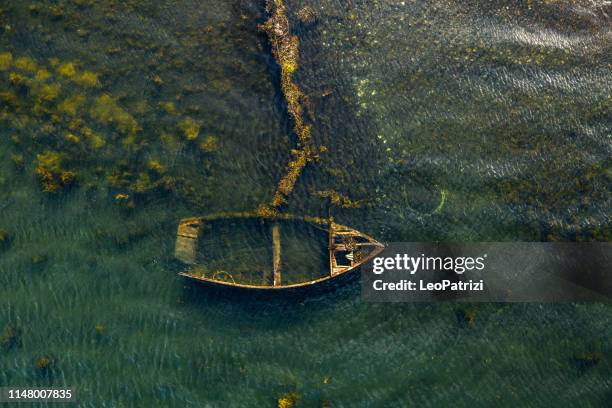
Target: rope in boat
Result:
[[215, 275]]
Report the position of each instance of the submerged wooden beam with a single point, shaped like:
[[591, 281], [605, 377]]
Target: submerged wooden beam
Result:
[[277, 254], [187, 240], [330, 248]]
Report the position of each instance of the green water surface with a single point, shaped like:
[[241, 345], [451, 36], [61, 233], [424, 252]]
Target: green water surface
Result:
[[447, 120]]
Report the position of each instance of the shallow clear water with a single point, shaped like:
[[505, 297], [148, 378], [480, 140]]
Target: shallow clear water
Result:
[[448, 120], [241, 251]]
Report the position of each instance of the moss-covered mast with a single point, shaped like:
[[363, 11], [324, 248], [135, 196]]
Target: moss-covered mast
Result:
[[286, 49]]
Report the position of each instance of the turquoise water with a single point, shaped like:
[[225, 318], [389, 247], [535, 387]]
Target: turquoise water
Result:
[[455, 121]]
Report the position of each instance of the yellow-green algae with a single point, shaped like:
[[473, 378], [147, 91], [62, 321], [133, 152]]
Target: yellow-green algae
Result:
[[288, 400], [209, 144], [88, 79], [106, 110], [6, 61], [71, 105], [338, 200], [53, 176], [11, 338], [190, 128], [169, 107], [57, 105], [285, 48], [26, 64], [68, 70], [42, 75]]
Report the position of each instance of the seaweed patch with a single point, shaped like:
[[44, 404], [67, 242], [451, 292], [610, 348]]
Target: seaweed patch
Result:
[[286, 50], [75, 128]]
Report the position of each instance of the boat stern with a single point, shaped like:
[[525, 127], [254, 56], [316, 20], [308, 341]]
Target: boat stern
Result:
[[187, 240]]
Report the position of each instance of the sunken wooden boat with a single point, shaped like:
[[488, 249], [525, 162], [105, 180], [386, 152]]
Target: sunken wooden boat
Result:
[[280, 251]]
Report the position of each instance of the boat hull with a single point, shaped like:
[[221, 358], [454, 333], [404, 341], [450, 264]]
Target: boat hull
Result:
[[346, 250]]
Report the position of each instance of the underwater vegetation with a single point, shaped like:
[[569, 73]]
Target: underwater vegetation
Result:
[[286, 50], [66, 119], [466, 317], [118, 327], [584, 361], [190, 128], [581, 188], [5, 239], [288, 400], [61, 119], [44, 367], [10, 339], [307, 15], [53, 177], [339, 200]]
